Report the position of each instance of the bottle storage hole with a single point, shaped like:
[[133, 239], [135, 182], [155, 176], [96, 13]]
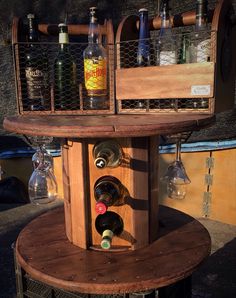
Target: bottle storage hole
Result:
[[54, 81]]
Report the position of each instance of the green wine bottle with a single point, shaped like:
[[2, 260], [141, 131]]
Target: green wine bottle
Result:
[[109, 225], [66, 96]]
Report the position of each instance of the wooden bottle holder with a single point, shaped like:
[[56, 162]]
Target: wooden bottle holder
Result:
[[49, 32], [138, 174], [177, 81]]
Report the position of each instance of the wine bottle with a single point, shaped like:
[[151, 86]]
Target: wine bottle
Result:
[[95, 68], [108, 225], [36, 70], [65, 82], [166, 45], [107, 154], [108, 191], [143, 55], [184, 49], [201, 45]]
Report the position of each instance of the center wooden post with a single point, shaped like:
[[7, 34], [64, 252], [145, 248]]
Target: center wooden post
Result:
[[138, 173]]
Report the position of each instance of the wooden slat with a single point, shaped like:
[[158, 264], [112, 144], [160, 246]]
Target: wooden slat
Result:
[[171, 258], [151, 82], [78, 194]]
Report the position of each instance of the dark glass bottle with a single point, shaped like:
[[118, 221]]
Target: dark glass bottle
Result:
[[107, 154], [65, 77], [143, 55], [108, 191], [95, 68], [36, 71], [108, 225], [166, 45]]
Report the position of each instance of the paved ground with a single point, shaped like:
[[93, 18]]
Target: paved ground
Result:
[[216, 278]]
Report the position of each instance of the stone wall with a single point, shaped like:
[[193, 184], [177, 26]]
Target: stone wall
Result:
[[54, 12]]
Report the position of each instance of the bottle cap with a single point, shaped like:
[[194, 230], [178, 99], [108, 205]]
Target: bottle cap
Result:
[[30, 16], [62, 25], [100, 208], [106, 243], [142, 9], [100, 163], [107, 236]]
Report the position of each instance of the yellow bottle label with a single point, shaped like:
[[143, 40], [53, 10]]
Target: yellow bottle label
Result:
[[95, 74]]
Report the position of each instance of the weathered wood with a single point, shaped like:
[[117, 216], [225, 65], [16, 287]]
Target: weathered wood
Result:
[[154, 81], [106, 126], [45, 253]]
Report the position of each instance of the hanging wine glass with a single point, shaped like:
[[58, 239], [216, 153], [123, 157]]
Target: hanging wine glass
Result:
[[42, 186], [176, 177]]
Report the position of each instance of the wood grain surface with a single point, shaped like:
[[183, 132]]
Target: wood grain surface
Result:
[[106, 125], [45, 253]]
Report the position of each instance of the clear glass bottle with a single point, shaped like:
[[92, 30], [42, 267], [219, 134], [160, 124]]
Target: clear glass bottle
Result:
[[66, 96], [36, 71], [108, 191], [166, 45], [95, 68], [108, 225], [107, 154], [200, 45]]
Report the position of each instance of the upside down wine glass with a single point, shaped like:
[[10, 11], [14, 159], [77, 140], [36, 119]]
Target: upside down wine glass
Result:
[[176, 177], [42, 186]]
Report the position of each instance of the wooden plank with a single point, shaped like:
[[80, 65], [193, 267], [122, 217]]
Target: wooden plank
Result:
[[122, 172], [66, 189], [151, 82], [59, 263], [139, 184], [153, 188], [77, 172]]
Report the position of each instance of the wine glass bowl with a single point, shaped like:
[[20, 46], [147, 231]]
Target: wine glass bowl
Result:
[[176, 178]]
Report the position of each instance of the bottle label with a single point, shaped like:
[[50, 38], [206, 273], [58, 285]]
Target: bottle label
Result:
[[95, 74], [167, 57], [107, 234], [63, 37], [36, 82], [203, 51]]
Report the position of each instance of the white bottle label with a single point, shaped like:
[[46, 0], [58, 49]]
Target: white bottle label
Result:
[[63, 37], [201, 90], [204, 51], [167, 57]]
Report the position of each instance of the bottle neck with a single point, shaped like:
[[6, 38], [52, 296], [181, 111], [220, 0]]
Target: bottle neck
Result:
[[143, 23], [33, 31], [165, 16], [64, 41], [201, 15], [93, 31]]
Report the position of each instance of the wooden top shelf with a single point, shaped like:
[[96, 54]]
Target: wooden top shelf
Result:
[[44, 252], [106, 125]]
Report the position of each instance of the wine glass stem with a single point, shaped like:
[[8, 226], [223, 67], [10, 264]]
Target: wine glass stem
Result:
[[178, 150]]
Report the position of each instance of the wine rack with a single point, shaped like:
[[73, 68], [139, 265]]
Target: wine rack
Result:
[[49, 47], [200, 87]]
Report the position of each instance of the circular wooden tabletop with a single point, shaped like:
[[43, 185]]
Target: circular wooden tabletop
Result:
[[106, 125], [45, 253]]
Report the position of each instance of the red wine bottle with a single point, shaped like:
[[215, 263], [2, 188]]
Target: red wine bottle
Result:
[[108, 191], [108, 225]]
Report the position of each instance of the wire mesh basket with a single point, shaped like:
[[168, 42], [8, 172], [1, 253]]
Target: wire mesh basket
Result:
[[54, 82], [177, 74]]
